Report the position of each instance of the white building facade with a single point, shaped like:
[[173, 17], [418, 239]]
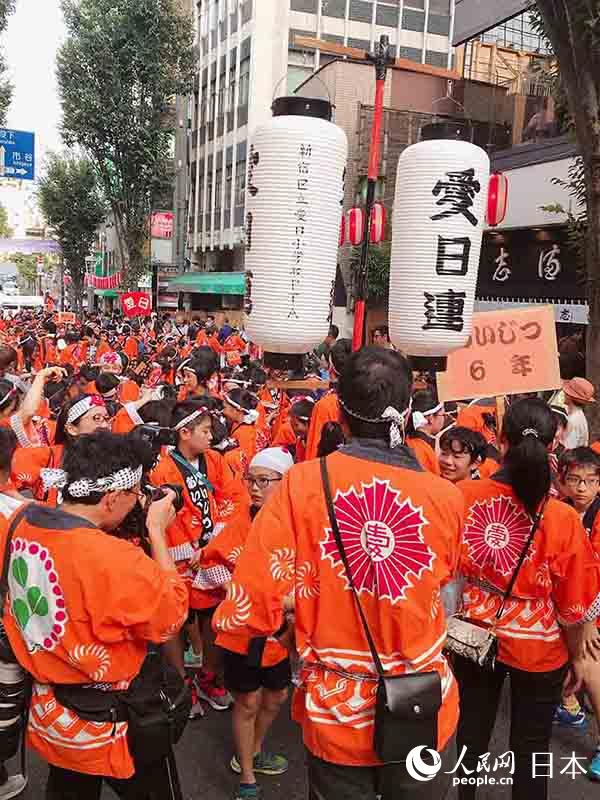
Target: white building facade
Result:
[[247, 56]]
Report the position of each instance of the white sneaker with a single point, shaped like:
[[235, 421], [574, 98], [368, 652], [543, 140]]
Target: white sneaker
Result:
[[13, 787]]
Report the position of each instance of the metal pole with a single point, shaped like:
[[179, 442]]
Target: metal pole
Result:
[[381, 57]]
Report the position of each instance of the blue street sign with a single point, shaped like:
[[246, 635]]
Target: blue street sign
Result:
[[17, 155]]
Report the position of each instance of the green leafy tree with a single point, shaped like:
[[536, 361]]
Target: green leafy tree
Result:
[[573, 29], [6, 9], [70, 198], [119, 72], [5, 230], [27, 268]]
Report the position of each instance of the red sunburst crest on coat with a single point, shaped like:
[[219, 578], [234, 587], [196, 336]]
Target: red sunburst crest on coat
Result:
[[496, 532], [383, 539]]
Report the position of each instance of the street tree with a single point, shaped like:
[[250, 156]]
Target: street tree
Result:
[[6, 9], [573, 29], [119, 72], [71, 199], [5, 230]]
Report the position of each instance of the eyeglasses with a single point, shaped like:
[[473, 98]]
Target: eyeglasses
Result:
[[262, 483], [575, 481]]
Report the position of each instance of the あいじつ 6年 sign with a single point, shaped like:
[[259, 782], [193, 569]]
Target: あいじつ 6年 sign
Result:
[[509, 352]]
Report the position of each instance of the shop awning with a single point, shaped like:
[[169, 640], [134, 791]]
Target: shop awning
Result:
[[209, 283], [106, 293]]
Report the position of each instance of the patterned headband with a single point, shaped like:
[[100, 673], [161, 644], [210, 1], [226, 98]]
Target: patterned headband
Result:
[[251, 415], [119, 481], [191, 417], [83, 406], [397, 420]]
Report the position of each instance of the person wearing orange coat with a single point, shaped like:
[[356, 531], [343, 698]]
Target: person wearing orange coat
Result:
[[425, 423], [211, 496], [259, 691], [327, 408], [100, 602], [553, 604], [240, 410], [401, 529], [293, 434]]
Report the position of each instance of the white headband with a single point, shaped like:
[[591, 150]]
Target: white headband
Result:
[[251, 414], [391, 414], [83, 406], [191, 417], [119, 481]]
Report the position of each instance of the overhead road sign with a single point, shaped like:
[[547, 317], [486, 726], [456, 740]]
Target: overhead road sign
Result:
[[17, 154], [473, 17]]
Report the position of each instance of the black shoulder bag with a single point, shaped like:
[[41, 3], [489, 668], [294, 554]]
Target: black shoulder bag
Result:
[[406, 713]]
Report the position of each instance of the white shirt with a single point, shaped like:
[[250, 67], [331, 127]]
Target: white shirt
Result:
[[8, 505], [577, 433]]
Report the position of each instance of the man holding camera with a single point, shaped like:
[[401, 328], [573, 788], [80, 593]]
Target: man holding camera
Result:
[[84, 607]]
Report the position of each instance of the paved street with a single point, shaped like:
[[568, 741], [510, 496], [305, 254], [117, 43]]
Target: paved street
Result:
[[204, 752]]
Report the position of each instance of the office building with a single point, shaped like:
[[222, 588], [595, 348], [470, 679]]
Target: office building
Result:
[[247, 55]]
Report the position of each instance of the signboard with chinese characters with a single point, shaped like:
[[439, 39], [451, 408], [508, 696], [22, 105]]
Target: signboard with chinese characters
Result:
[[136, 304], [66, 318], [529, 264], [509, 352], [162, 225], [17, 154]]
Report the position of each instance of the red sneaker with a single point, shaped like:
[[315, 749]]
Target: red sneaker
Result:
[[217, 697]]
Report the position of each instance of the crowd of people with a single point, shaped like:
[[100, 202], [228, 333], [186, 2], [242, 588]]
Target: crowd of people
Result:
[[184, 533]]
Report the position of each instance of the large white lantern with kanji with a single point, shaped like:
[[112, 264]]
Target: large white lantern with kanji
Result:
[[438, 223], [295, 187]]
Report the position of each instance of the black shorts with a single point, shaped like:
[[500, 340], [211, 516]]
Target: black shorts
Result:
[[200, 614], [242, 678]]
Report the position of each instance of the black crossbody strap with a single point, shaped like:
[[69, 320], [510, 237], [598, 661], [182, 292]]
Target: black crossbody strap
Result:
[[522, 557], [340, 545], [6, 561]]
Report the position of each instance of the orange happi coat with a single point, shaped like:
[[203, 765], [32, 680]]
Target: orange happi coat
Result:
[[327, 409], [27, 465], [424, 452], [401, 527], [99, 602], [199, 521], [557, 585]]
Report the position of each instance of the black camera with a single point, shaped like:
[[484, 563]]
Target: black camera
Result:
[[154, 493], [156, 436]]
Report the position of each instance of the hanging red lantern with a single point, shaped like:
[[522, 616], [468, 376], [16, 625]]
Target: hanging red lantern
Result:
[[497, 199], [356, 226], [342, 231], [377, 229]]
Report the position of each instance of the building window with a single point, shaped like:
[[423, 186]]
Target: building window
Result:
[[222, 91], [246, 12], [334, 8], [420, 4], [412, 53], [413, 20], [360, 44], [240, 183], [228, 177], [306, 6], [439, 7], [212, 103], [436, 59], [361, 11], [438, 24], [244, 82], [209, 193], [231, 104], [388, 16], [218, 189]]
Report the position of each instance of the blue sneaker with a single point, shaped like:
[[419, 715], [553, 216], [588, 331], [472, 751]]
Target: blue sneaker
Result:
[[565, 719], [593, 772]]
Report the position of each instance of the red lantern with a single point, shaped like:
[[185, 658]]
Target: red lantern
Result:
[[497, 199], [377, 229], [356, 226], [342, 231]]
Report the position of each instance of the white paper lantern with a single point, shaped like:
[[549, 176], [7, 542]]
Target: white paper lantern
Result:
[[438, 223], [294, 208]]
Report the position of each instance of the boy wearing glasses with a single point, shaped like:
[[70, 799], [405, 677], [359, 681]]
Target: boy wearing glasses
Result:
[[579, 479]]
